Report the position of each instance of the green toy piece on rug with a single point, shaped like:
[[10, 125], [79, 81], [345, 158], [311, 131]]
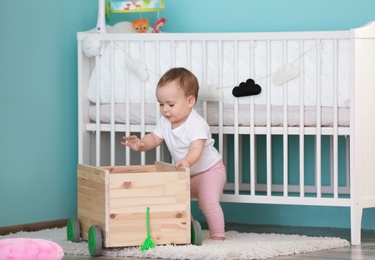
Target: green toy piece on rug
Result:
[[148, 243]]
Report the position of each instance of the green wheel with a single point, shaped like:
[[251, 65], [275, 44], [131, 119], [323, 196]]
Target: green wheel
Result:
[[196, 233], [73, 230], [95, 241]]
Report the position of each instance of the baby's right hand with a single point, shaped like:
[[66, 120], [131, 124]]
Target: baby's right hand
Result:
[[133, 142]]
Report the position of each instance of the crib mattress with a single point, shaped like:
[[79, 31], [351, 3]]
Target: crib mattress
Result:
[[245, 113]]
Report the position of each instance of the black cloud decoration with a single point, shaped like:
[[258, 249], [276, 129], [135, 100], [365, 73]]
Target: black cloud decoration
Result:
[[246, 89]]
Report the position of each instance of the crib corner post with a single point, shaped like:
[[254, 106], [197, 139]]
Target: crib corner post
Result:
[[356, 211]]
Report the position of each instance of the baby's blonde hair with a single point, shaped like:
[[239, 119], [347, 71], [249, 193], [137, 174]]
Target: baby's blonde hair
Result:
[[185, 79]]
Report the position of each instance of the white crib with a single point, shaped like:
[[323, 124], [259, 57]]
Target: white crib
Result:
[[306, 139]]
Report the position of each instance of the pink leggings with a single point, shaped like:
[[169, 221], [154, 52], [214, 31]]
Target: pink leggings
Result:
[[207, 187]]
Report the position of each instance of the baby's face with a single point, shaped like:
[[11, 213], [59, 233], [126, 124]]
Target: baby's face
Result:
[[174, 105]]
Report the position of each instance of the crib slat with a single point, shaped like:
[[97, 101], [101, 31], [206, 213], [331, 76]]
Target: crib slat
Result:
[[252, 127], [285, 126], [143, 108], [221, 106], [335, 144], [157, 106], [98, 116], [236, 126], [318, 137], [127, 112], [268, 126], [112, 121], [204, 76], [301, 122]]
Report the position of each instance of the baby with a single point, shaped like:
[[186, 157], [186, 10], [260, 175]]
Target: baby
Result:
[[188, 138]]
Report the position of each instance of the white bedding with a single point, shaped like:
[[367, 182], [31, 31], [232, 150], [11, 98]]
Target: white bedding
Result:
[[236, 71], [260, 118], [321, 72]]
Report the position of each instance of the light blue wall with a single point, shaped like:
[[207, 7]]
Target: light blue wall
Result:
[[38, 107], [38, 95]]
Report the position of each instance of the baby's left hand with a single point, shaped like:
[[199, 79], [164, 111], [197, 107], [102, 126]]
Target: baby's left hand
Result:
[[182, 163]]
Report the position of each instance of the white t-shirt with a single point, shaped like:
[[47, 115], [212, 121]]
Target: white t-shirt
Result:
[[179, 139]]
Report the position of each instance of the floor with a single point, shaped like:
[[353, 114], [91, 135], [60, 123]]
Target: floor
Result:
[[365, 251]]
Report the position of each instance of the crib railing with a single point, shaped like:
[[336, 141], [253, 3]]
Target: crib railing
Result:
[[225, 61]]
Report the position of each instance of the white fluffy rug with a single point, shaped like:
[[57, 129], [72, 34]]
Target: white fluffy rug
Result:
[[236, 246]]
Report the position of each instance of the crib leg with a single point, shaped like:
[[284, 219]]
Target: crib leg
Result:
[[355, 226]]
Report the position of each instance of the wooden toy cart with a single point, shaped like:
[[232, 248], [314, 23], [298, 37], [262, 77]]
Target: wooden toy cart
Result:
[[112, 204]]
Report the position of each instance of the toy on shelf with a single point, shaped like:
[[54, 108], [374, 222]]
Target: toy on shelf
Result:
[[141, 25], [158, 25]]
